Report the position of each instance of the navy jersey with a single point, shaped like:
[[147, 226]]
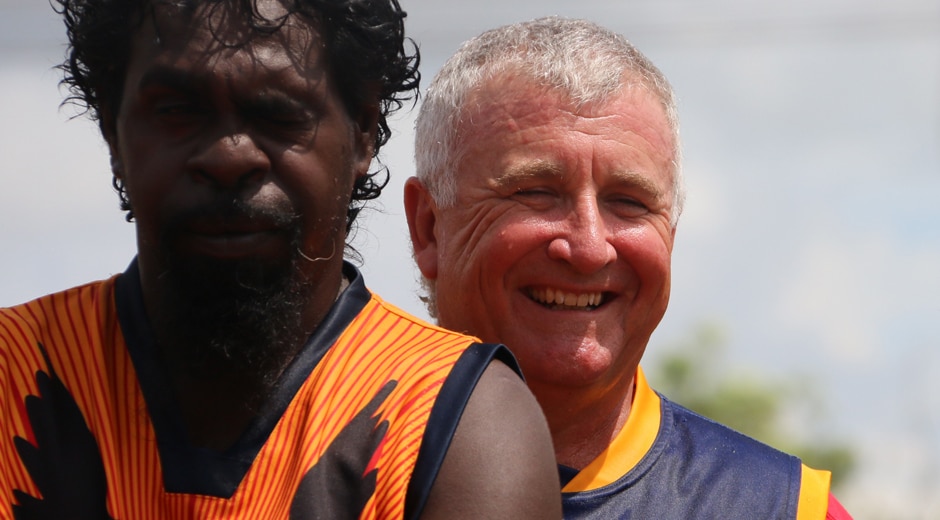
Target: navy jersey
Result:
[[671, 463]]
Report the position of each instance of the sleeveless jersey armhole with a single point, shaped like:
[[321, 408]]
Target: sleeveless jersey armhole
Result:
[[445, 415]]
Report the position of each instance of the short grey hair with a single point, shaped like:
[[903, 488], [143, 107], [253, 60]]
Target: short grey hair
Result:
[[577, 59]]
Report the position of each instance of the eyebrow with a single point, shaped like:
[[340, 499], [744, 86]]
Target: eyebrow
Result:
[[640, 181], [164, 76], [269, 98], [534, 170]]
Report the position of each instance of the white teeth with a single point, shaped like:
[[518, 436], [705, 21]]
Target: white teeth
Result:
[[550, 296]]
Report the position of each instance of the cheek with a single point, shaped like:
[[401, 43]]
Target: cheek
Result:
[[648, 251], [318, 189], [148, 171], [489, 247]]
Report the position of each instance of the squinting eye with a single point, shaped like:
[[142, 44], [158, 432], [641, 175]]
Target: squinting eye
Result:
[[630, 202], [176, 109], [532, 192], [628, 206], [290, 120]]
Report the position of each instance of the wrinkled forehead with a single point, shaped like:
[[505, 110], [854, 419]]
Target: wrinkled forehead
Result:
[[502, 100]]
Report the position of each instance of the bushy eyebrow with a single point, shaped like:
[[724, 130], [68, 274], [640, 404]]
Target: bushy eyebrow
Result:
[[534, 170]]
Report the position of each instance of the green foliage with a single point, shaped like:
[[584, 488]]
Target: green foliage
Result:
[[695, 374]]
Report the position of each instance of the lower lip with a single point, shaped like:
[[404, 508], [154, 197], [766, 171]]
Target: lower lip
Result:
[[233, 245]]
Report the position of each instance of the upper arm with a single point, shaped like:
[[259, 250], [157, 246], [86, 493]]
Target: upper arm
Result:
[[500, 463]]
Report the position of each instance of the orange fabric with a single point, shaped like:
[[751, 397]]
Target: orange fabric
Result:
[[79, 330]]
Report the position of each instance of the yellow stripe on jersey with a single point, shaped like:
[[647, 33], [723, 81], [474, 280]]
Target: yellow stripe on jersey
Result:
[[630, 444], [814, 494]]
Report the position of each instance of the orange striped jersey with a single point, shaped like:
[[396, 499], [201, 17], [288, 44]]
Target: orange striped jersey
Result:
[[669, 462], [357, 428]]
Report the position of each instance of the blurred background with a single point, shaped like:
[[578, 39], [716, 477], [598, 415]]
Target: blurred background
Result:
[[806, 285]]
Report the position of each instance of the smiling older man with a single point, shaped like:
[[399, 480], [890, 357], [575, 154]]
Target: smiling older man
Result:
[[543, 216]]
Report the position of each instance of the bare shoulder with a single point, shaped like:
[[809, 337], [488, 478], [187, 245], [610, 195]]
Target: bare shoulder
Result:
[[500, 463]]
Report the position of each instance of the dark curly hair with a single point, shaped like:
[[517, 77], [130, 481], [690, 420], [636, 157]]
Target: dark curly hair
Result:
[[364, 39]]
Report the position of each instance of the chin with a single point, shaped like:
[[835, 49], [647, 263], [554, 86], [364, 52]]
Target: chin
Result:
[[570, 363], [220, 313]]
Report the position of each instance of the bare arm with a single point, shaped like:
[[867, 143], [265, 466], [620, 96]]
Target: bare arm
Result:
[[500, 463]]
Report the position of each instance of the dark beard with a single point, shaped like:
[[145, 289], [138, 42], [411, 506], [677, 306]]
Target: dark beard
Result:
[[221, 317]]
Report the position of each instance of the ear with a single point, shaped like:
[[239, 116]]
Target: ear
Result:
[[422, 219], [366, 129], [117, 167], [672, 239], [109, 133]]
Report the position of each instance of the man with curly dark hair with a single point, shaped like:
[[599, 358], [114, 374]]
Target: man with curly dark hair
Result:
[[239, 367]]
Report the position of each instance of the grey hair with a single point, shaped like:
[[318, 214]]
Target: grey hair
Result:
[[577, 59]]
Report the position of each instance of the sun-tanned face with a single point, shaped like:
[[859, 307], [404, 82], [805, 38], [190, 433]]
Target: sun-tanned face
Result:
[[560, 241], [239, 159]]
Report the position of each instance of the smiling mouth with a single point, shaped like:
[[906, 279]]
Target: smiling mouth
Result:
[[563, 300]]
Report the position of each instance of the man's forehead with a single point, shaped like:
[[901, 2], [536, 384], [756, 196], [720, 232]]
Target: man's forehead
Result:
[[263, 9], [231, 23], [508, 102], [518, 105], [220, 29]]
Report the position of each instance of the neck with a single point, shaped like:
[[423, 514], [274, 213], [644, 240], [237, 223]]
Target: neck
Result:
[[584, 421], [218, 404]]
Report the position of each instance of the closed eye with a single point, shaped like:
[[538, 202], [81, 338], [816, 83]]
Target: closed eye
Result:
[[537, 199], [278, 111], [175, 108], [534, 195], [533, 192], [301, 121], [627, 207]]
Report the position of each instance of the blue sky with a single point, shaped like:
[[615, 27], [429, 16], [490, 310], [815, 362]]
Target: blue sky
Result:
[[811, 134]]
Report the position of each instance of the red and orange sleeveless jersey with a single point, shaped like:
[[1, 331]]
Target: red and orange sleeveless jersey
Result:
[[87, 431]]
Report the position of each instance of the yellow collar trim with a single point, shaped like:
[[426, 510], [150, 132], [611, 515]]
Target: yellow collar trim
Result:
[[629, 446]]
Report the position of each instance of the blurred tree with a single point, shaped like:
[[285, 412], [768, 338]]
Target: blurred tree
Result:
[[694, 372]]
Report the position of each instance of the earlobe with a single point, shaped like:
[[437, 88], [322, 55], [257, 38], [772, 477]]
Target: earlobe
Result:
[[422, 219], [117, 167], [110, 137]]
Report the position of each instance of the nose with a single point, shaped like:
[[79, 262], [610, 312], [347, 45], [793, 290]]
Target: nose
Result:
[[583, 239], [229, 157]]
